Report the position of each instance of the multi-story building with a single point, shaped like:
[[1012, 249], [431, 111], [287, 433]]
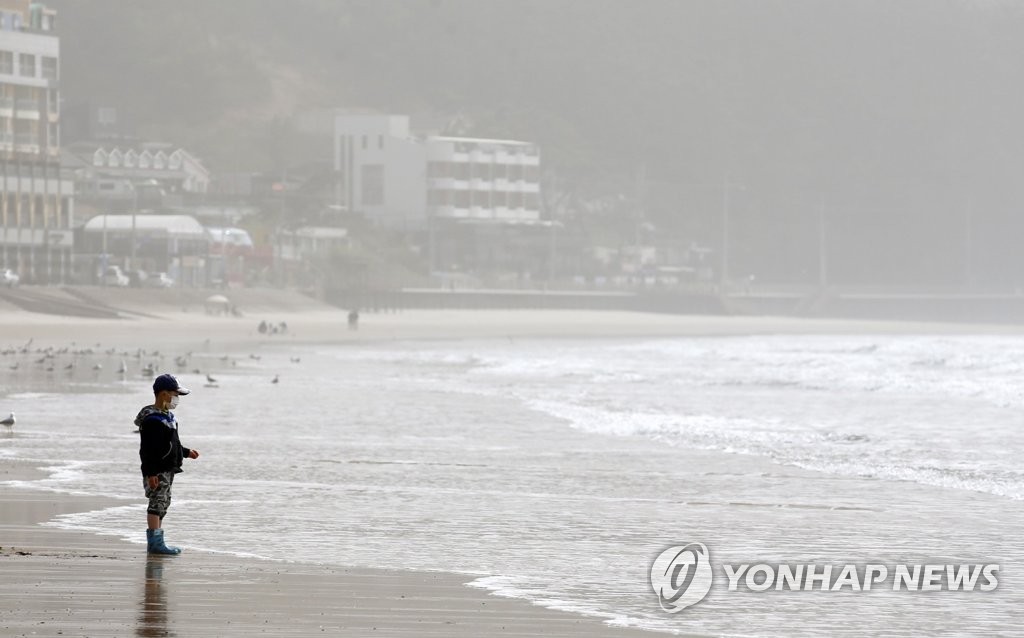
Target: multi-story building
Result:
[[474, 202], [111, 170], [402, 180], [35, 199], [481, 179]]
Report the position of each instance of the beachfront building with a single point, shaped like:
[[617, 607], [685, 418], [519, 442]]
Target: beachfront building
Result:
[[474, 201], [399, 179], [232, 252], [483, 179], [176, 244], [35, 197], [124, 171]]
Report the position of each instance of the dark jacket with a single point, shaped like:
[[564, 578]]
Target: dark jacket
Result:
[[160, 449]]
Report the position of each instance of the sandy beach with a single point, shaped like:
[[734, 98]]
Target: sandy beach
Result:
[[59, 582]]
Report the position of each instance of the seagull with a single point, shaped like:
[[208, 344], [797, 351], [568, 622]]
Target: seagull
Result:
[[9, 421], [296, 359], [254, 357], [123, 368], [98, 366], [275, 379], [70, 366], [15, 366], [210, 379]]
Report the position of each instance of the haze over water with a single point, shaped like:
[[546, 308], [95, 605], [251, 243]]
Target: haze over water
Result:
[[555, 470]]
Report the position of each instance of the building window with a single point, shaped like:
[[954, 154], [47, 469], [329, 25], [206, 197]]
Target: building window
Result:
[[6, 62], [373, 184], [439, 197], [439, 170], [482, 199], [461, 170], [532, 172], [482, 171], [532, 201], [462, 199], [26, 65], [49, 68]]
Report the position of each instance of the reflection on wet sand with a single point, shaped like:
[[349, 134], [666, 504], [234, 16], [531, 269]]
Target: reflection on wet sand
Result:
[[153, 613]]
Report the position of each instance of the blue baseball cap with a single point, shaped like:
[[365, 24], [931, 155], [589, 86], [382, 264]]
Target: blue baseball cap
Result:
[[168, 382]]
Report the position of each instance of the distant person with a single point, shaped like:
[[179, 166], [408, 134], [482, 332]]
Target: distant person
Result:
[[263, 327], [353, 319], [161, 453]]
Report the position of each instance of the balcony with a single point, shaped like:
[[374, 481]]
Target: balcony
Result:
[[7, 106], [27, 142], [441, 183], [26, 108]]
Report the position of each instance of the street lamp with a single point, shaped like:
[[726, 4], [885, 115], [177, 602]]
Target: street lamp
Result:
[[135, 210], [726, 188]]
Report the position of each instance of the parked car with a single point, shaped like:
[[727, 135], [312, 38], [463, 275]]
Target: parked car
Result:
[[159, 280], [115, 277], [10, 278]]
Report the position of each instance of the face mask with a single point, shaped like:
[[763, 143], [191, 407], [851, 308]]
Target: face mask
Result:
[[174, 403]]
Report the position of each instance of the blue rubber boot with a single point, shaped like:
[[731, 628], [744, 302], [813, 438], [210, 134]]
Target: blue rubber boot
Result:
[[155, 543]]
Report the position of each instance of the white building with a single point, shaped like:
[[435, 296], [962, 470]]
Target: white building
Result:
[[35, 200], [110, 170], [483, 180], [176, 244], [402, 180]]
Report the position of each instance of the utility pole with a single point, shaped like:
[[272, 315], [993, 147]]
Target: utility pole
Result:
[[822, 255], [135, 210], [725, 234], [969, 242]]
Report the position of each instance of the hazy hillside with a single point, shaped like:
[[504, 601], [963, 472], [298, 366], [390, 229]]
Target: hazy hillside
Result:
[[883, 112]]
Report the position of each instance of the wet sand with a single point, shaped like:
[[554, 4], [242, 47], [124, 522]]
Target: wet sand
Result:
[[56, 582]]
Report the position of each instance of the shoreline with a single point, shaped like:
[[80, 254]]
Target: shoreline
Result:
[[322, 326], [80, 583]]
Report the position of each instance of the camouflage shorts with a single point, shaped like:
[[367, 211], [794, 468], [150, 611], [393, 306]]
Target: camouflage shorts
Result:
[[160, 498]]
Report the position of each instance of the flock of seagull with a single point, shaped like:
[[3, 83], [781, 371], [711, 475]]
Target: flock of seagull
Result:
[[50, 357]]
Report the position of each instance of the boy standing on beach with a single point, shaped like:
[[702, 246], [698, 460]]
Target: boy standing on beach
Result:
[[161, 453]]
